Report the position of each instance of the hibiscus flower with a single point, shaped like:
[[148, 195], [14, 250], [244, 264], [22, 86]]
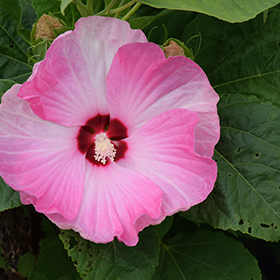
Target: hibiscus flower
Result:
[[108, 136]]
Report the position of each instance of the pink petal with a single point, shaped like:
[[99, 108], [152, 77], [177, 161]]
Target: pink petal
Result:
[[69, 86], [163, 151], [39, 158], [114, 198], [142, 83]]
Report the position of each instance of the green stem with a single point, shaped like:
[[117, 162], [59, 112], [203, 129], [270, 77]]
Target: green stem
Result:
[[89, 7], [111, 5], [81, 7], [132, 11], [119, 9], [122, 3], [73, 16]]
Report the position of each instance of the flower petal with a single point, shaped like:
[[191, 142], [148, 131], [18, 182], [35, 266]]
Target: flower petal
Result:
[[39, 158], [142, 83], [69, 86], [163, 151], [114, 198]]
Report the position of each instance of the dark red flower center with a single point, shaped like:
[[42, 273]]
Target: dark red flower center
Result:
[[93, 131]]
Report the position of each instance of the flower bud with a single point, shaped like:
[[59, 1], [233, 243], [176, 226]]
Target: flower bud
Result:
[[45, 27], [173, 49]]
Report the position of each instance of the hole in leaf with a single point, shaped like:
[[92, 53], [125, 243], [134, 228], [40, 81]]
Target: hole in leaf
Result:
[[276, 227], [257, 155], [272, 225], [241, 222], [264, 225], [11, 46], [229, 175], [79, 250], [250, 229], [239, 150]]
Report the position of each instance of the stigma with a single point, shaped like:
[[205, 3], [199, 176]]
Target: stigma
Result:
[[104, 148]]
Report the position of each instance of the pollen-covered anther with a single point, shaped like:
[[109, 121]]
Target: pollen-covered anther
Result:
[[104, 148]]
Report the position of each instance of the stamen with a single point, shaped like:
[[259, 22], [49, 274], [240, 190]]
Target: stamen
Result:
[[104, 148]]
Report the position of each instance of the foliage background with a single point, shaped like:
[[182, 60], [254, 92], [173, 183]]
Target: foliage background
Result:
[[234, 233]]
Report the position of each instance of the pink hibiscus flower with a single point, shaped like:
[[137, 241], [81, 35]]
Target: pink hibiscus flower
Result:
[[108, 136]]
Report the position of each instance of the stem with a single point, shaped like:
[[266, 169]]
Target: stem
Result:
[[119, 9], [73, 16], [132, 11], [81, 7], [122, 3], [89, 7], [111, 5]]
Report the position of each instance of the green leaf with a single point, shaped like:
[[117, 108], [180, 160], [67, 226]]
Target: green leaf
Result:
[[243, 64], [25, 263], [164, 226], [114, 260], [53, 6], [175, 23], [40, 49], [64, 4], [228, 10], [44, 7], [5, 85], [143, 21], [8, 198], [13, 57], [2, 263], [28, 14], [203, 254], [53, 262]]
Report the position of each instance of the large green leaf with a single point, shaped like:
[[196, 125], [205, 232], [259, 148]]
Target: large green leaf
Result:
[[204, 255], [53, 262], [71, 14], [228, 10], [4, 86], [13, 57], [8, 198], [143, 21], [243, 64], [114, 260], [44, 7], [28, 14], [166, 26]]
